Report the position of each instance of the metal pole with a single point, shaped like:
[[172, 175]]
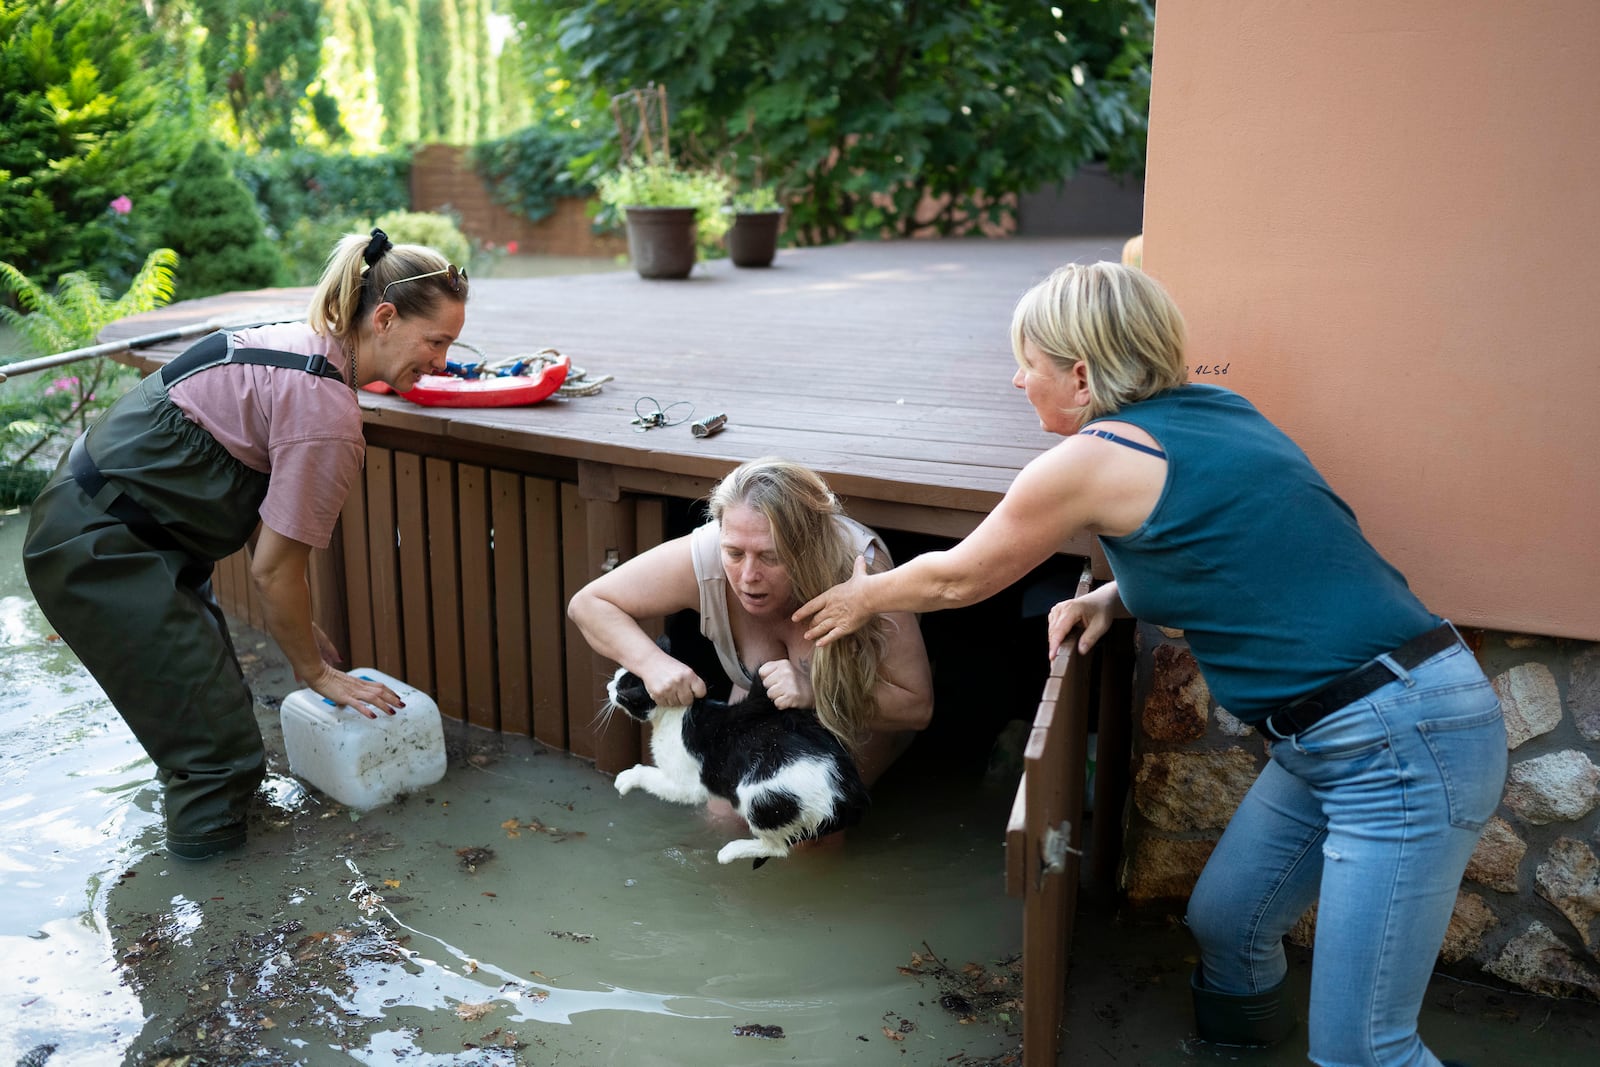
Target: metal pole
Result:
[[110, 348]]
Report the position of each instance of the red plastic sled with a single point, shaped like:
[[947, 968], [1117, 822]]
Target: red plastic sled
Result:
[[448, 391]]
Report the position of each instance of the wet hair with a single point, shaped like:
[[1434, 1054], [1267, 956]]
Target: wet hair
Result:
[[359, 269], [1116, 320], [817, 554]]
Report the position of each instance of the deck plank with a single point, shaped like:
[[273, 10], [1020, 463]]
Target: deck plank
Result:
[[884, 365]]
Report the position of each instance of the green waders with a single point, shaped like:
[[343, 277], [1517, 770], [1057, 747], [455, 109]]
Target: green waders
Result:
[[119, 554]]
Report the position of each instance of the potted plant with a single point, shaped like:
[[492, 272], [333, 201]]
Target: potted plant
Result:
[[670, 211], [753, 238]]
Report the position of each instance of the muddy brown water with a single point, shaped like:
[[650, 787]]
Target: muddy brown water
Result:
[[520, 912]]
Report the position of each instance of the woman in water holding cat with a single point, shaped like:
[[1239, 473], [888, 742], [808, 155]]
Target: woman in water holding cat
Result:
[[776, 538], [1388, 752]]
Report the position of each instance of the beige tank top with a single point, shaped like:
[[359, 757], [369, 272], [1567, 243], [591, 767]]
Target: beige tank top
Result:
[[705, 548]]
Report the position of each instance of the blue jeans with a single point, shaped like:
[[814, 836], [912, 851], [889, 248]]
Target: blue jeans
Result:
[[1372, 813]]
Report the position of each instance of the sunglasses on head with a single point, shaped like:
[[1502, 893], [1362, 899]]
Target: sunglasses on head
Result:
[[455, 278]]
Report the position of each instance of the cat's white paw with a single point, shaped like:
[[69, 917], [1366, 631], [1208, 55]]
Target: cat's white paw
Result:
[[749, 849], [628, 780]]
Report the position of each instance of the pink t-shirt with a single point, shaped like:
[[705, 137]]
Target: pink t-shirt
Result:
[[302, 429]]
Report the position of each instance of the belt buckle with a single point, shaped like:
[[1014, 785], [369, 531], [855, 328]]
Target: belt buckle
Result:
[[1301, 716]]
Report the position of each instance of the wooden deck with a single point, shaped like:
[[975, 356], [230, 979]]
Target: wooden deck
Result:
[[885, 366]]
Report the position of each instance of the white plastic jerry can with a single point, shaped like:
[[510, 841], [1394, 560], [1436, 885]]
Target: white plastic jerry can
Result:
[[359, 761]]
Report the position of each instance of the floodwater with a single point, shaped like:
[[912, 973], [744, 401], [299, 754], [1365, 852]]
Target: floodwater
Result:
[[518, 912]]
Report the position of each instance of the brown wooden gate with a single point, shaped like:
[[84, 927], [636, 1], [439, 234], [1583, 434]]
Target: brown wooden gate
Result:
[[1045, 845]]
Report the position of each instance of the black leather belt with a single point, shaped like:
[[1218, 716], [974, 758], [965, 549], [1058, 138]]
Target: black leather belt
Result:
[[1290, 719], [122, 506]]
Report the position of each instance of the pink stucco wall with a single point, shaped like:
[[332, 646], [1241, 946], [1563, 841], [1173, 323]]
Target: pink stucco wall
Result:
[[1383, 218]]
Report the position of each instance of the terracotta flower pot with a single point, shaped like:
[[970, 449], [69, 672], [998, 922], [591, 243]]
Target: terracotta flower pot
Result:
[[753, 238], [661, 241]]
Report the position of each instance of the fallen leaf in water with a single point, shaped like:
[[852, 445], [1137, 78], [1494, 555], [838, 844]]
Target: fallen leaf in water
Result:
[[892, 1036], [266, 1023], [391, 883], [473, 1012]]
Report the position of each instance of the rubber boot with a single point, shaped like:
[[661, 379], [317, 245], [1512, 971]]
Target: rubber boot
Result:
[[1251, 1019]]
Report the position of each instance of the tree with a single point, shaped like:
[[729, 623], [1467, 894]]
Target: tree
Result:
[[877, 111], [262, 58], [213, 225], [348, 72], [85, 126]]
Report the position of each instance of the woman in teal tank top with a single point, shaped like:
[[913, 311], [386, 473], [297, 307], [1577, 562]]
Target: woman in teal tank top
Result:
[[1388, 751]]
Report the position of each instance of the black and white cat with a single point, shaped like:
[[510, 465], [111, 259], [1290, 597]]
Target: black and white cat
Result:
[[781, 769]]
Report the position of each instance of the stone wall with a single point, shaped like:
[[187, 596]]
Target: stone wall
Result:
[[1528, 911]]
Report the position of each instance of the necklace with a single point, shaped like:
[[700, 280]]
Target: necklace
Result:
[[353, 378]]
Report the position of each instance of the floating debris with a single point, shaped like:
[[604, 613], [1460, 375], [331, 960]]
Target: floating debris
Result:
[[473, 858], [473, 1012], [771, 1033], [568, 935], [514, 828], [36, 1056]]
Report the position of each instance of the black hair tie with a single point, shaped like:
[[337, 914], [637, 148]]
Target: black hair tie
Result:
[[376, 247]]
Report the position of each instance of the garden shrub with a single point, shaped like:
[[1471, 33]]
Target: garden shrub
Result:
[[307, 242], [213, 224], [438, 232], [86, 94], [39, 412], [303, 184]]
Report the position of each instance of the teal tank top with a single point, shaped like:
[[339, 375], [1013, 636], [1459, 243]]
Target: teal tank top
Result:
[[1254, 557]]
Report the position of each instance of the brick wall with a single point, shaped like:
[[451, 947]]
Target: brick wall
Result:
[[442, 179]]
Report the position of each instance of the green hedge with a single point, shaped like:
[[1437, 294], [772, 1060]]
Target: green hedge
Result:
[[304, 184]]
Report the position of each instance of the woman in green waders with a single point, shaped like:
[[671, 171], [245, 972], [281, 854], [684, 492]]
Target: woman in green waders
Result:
[[251, 437]]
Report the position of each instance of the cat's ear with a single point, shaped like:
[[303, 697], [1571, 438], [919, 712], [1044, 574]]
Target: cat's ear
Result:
[[664, 643]]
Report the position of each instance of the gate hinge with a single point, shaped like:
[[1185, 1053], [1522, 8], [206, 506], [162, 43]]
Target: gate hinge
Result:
[[1053, 850]]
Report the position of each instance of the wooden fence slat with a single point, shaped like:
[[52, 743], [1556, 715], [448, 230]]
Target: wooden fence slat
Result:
[[357, 577], [416, 600], [225, 587], [511, 601], [444, 583], [1017, 842], [477, 595], [1052, 791], [245, 590], [649, 530], [325, 575], [383, 564], [1113, 754], [610, 535], [547, 610], [580, 664]]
